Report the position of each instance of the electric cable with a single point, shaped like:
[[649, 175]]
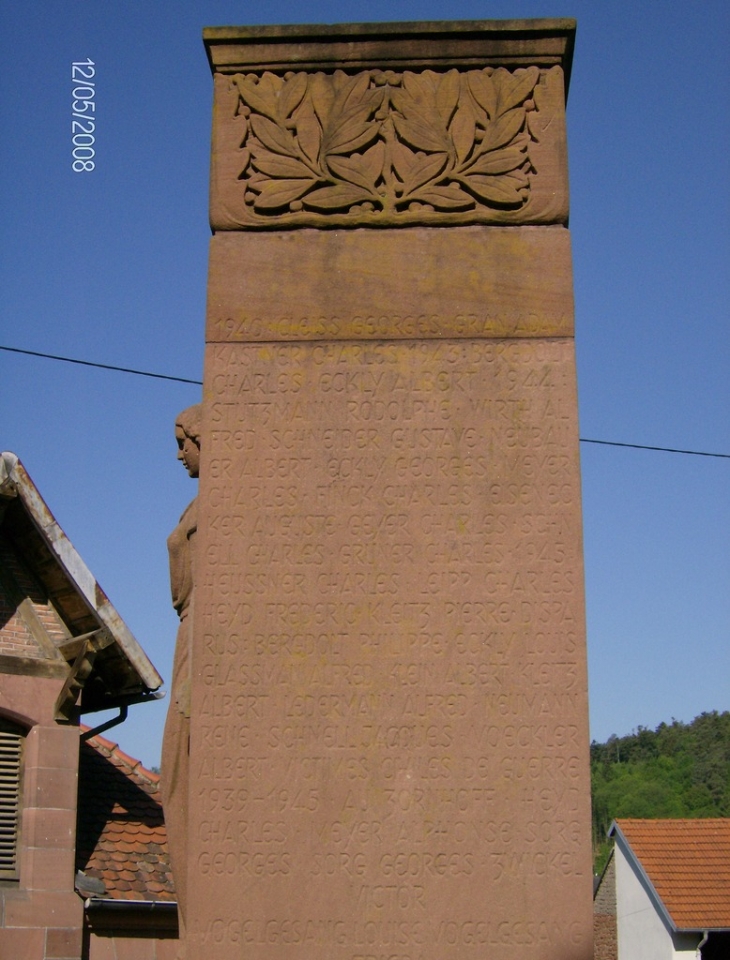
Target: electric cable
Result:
[[199, 383]]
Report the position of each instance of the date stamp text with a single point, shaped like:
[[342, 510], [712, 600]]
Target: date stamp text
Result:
[[83, 122]]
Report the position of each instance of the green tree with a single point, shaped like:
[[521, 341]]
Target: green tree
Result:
[[677, 770]]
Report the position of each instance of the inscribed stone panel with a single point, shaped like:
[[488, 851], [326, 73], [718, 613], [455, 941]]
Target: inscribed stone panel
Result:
[[390, 678]]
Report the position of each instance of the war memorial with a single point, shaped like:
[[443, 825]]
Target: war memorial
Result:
[[388, 707]]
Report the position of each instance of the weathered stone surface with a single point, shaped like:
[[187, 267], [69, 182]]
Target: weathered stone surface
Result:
[[366, 284], [390, 124], [389, 149], [389, 720], [391, 704], [436, 44]]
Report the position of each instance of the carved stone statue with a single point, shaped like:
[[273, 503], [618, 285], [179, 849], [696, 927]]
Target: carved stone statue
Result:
[[176, 742]]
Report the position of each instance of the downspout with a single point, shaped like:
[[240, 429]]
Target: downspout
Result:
[[115, 721], [700, 945]]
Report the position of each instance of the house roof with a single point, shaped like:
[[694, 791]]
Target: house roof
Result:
[[69, 620], [687, 862], [121, 835]]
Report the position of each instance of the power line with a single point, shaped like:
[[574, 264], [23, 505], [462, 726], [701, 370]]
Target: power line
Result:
[[102, 366], [642, 446], [199, 383]]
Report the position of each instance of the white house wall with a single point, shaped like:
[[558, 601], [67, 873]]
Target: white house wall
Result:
[[642, 932]]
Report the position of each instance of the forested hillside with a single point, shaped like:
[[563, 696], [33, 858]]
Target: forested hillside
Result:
[[677, 770]]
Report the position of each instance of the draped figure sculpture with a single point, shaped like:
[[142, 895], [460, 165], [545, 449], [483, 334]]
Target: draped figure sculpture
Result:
[[176, 742]]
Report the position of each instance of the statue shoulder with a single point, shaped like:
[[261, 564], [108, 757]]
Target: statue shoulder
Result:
[[186, 527], [189, 518]]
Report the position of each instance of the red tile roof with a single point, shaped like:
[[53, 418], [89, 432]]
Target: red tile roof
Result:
[[121, 835], [688, 864]]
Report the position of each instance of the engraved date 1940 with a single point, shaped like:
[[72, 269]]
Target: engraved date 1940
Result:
[[83, 122]]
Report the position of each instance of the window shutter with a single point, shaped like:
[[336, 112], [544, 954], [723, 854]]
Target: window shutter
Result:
[[11, 752]]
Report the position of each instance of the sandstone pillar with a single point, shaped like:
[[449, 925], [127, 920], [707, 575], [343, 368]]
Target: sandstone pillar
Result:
[[390, 752]]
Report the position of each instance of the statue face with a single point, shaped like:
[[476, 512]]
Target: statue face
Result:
[[188, 451]]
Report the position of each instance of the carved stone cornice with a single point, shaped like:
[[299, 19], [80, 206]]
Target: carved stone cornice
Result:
[[450, 143]]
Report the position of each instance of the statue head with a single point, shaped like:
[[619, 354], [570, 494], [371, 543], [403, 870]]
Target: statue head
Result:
[[187, 434]]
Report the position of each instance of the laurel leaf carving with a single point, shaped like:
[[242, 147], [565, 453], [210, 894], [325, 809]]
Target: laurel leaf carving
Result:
[[273, 137], [530, 124], [323, 96], [352, 92], [463, 130], [274, 165], [448, 142], [420, 136], [419, 86], [309, 132], [501, 131], [498, 161], [514, 89], [423, 169], [418, 107], [483, 91], [336, 197], [447, 95], [279, 193], [351, 136], [347, 129], [255, 99], [403, 160], [292, 94], [353, 169], [374, 161], [500, 190], [445, 197], [410, 104]]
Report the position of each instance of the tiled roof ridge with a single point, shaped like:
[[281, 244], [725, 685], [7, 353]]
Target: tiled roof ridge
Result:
[[112, 750], [664, 820]]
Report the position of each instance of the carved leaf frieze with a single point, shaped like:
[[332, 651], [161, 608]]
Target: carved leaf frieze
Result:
[[381, 143]]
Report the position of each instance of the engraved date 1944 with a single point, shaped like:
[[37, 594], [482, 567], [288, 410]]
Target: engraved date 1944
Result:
[[83, 122]]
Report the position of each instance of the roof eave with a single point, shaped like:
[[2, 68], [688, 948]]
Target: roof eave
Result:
[[109, 903], [616, 832], [107, 916], [15, 482]]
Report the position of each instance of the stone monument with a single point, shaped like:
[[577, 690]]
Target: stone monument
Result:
[[176, 743], [389, 749]]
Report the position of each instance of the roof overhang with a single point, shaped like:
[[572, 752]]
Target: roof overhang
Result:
[[107, 916], [615, 832], [106, 666]]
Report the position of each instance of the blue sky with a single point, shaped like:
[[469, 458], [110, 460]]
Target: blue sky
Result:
[[110, 266]]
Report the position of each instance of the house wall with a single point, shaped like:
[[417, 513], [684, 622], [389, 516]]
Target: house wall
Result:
[[123, 946], [40, 914], [135, 932], [642, 932]]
